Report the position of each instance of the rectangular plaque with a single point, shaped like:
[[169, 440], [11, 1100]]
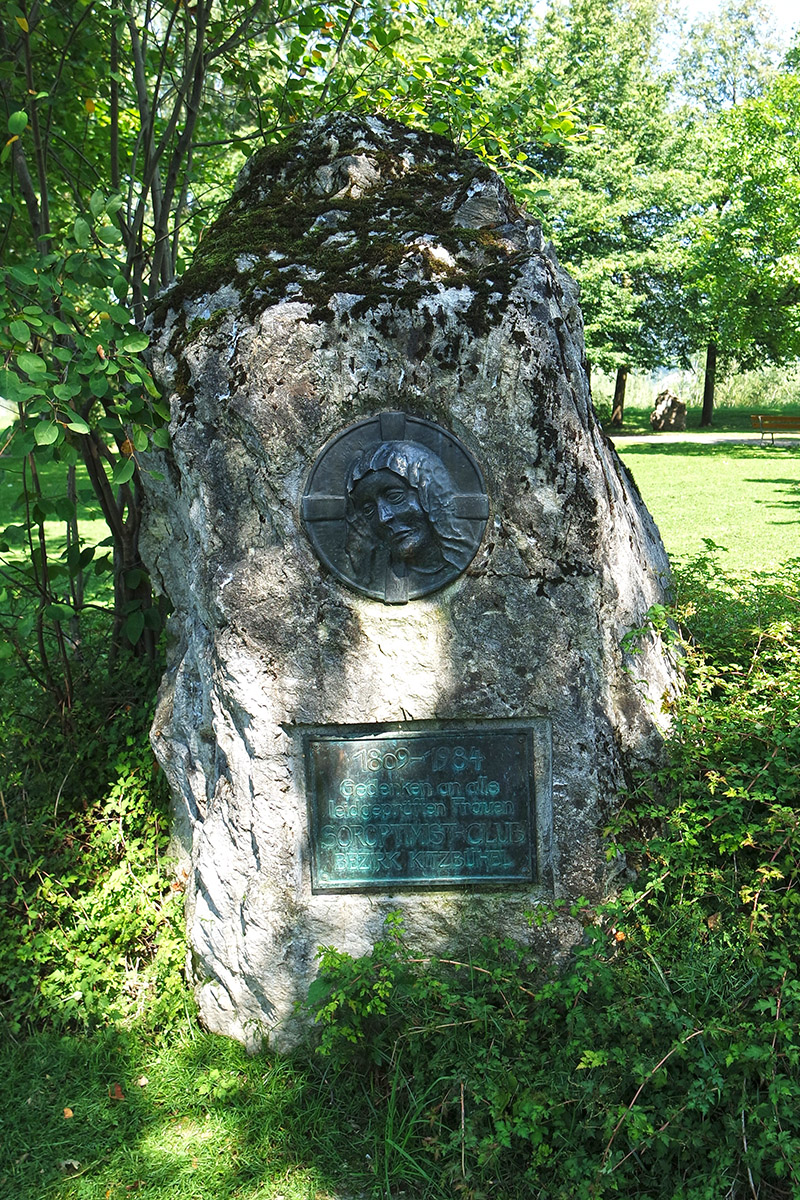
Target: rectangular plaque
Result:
[[421, 808]]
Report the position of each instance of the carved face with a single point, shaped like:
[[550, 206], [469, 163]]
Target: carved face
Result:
[[392, 508]]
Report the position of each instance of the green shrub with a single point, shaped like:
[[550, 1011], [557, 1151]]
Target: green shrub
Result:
[[92, 920], [664, 1060]]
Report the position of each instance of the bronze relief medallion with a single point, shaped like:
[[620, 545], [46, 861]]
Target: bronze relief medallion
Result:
[[395, 507]]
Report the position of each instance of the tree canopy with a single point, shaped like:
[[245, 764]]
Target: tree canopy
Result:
[[670, 193]]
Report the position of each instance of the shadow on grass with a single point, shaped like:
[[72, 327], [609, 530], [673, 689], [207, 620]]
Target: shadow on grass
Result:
[[736, 450], [102, 1117], [784, 487]]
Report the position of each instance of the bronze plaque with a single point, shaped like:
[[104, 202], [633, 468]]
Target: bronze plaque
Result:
[[395, 506], [411, 809]]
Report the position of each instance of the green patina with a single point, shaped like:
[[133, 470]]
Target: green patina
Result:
[[278, 230]]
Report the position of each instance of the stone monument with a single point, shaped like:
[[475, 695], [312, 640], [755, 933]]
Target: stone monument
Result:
[[402, 558], [669, 413]]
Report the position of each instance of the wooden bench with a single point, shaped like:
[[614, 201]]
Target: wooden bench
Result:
[[773, 423]]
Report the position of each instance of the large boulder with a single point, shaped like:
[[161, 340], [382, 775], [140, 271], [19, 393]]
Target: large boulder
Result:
[[373, 293], [669, 413]]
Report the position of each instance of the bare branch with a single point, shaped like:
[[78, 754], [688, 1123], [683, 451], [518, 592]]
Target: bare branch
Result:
[[348, 25]]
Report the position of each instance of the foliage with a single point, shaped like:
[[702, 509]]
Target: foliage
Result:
[[743, 272], [111, 176], [663, 1061], [603, 56], [85, 405], [729, 56], [677, 218], [92, 918], [612, 199], [765, 389], [470, 76]]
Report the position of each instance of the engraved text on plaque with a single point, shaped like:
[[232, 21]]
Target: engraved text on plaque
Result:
[[421, 807]]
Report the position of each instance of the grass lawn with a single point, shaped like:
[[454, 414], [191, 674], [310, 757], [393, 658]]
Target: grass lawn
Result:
[[743, 497], [107, 1117], [51, 477], [728, 419]]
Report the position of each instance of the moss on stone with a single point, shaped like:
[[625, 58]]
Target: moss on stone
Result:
[[293, 243], [205, 324]]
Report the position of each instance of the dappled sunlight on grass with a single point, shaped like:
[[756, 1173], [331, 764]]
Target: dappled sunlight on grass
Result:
[[744, 497], [93, 528], [197, 1119]]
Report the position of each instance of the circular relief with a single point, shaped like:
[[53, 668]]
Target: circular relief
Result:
[[395, 507]]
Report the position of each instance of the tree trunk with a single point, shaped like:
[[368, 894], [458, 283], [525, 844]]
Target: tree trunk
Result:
[[709, 385], [619, 396]]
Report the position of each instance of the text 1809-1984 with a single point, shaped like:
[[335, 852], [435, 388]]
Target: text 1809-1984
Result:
[[421, 808]]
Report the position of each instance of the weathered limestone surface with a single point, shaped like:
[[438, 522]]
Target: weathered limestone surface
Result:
[[359, 268]]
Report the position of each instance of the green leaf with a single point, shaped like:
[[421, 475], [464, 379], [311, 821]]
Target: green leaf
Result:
[[31, 364], [97, 203], [11, 387], [135, 342], [140, 439], [59, 612], [161, 438], [76, 423], [123, 472], [24, 275], [65, 391], [19, 330], [118, 314], [45, 433], [82, 232], [134, 627], [18, 122], [119, 286], [109, 235], [64, 508]]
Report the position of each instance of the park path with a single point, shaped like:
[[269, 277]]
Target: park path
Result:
[[693, 436]]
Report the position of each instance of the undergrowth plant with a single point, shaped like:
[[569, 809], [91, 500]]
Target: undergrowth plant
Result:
[[90, 911], [664, 1061]]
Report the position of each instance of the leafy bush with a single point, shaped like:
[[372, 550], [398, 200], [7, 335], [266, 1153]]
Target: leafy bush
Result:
[[663, 1061], [92, 921]]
